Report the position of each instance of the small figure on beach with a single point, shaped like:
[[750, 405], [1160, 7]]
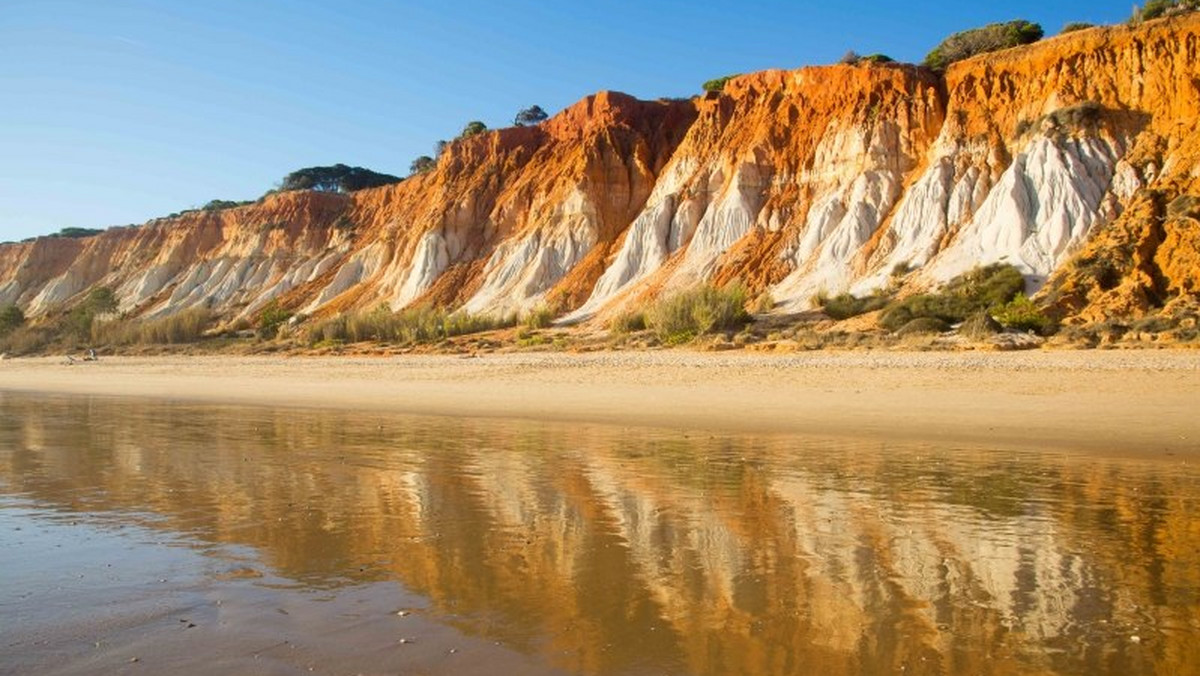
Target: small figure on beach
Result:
[[90, 355]]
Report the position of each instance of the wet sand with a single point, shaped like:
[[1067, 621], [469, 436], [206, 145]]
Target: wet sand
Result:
[[113, 597], [1103, 401], [150, 536]]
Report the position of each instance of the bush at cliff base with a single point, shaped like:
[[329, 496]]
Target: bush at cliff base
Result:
[[978, 290], [683, 316], [11, 317]]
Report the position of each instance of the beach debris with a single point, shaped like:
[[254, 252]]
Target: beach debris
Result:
[[1008, 342], [90, 355]]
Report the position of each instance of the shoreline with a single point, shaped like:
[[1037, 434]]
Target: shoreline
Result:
[[1126, 402]]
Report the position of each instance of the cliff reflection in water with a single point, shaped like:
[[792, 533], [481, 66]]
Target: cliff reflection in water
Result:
[[608, 550]]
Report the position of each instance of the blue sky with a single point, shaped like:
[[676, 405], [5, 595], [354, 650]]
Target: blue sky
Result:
[[116, 111]]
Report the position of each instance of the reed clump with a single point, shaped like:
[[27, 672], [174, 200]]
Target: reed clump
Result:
[[187, 326], [423, 324], [682, 317]]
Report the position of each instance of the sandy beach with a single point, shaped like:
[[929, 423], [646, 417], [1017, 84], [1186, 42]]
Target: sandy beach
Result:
[[1118, 402]]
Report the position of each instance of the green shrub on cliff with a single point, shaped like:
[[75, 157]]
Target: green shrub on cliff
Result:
[[11, 317], [990, 38], [975, 291], [718, 84], [78, 322], [472, 128], [1076, 26], [853, 58], [1022, 315], [530, 115], [986, 286], [335, 178], [422, 164], [1155, 9], [101, 300], [847, 305], [270, 318], [221, 205], [77, 233]]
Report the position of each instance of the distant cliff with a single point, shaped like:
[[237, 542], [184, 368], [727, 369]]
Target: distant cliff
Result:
[[1075, 159]]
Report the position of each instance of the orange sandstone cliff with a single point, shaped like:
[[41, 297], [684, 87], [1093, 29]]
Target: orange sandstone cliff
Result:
[[1074, 159]]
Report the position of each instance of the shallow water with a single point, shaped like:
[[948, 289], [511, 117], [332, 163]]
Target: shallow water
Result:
[[144, 537]]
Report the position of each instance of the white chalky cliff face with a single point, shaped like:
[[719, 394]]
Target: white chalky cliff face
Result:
[[232, 261], [1039, 211], [819, 180], [807, 163]]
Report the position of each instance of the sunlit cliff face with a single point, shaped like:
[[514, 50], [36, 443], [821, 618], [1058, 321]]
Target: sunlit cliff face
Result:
[[797, 182], [602, 549]]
